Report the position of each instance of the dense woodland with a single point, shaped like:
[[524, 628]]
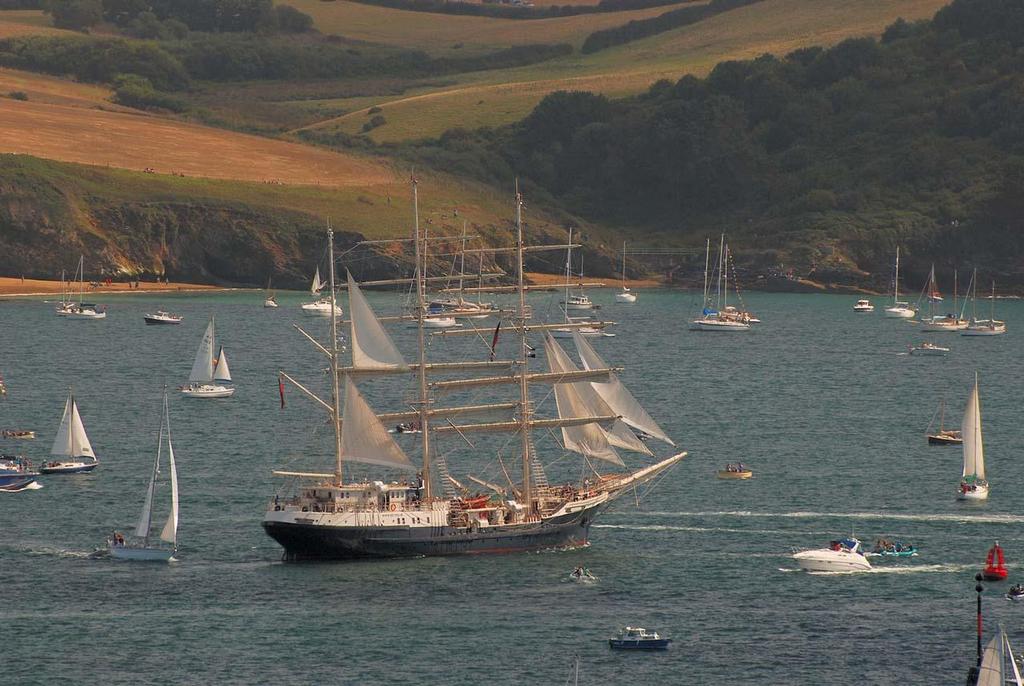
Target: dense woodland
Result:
[[917, 138]]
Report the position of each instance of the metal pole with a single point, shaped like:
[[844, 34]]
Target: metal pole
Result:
[[421, 306]]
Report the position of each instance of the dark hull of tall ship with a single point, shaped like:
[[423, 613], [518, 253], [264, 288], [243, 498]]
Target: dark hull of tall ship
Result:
[[318, 542]]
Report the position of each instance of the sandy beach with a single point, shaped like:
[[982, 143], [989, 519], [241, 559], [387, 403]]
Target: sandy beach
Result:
[[15, 287]]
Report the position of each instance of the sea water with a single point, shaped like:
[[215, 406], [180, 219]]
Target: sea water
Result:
[[823, 404]]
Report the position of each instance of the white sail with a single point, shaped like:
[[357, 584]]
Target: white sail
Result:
[[364, 438], [616, 395], [586, 439], [170, 530], [372, 347], [202, 368], [970, 430], [618, 434], [998, 666], [318, 284], [221, 371], [146, 518], [71, 439]]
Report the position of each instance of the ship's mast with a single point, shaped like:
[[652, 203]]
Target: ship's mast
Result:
[[421, 306], [524, 389], [335, 394]]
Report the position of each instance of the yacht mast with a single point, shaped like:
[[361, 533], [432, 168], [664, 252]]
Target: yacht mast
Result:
[[707, 264], [721, 249], [524, 390], [421, 306], [335, 395]]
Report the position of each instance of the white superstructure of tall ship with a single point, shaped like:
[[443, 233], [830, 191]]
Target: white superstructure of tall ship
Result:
[[413, 509]]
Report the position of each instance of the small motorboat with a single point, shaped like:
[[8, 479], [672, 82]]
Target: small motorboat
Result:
[[995, 565], [270, 302], [16, 474], [735, 471], [843, 555], [928, 349], [863, 306], [637, 638], [321, 308], [14, 433], [1016, 592], [582, 575], [161, 317], [407, 428], [886, 548]]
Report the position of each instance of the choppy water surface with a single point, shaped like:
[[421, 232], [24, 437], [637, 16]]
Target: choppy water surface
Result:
[[822, 403]]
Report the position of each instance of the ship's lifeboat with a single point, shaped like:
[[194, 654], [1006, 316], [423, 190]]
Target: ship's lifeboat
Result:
[[475, 503]]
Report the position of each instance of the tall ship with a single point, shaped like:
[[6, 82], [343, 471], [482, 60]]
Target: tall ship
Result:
[[421, 508]]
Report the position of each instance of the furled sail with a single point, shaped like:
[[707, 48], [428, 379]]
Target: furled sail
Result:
[[146, 518], [364, 438], [221, 372], [586, 439], [372, 347], [618, 434], [318, 284], [618, 396], [202, 368], [970, 430], [71, 440], [170, 530]]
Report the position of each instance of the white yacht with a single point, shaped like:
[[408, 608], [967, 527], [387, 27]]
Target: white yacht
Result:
[[899, 309], [625, 295], [929, 350], [863, 306], [843, 555], [984, 327], [207, 371], [973, 484], [719, 317], [321, 307]]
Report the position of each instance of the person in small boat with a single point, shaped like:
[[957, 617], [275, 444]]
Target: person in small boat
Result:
[[118, 539], [1017, 589]]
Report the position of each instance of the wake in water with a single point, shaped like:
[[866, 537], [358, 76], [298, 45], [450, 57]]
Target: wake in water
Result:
[[907, 569], [64, 553], [943, 517], [34, 486]]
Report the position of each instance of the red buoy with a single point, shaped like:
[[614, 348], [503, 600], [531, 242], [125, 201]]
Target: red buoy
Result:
[[995, 565]]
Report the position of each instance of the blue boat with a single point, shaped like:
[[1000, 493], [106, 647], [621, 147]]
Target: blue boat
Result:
[[636, 638], [16, 473]]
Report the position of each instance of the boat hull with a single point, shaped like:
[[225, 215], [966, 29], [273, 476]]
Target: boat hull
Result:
[[645, 644], [625, 298], [68, 467], [745, 474], [831, 561], [306, 540], [978, 493], [140, 554], [208, 392], [944, 440], [161, 320], [718, 325], [899, 313], [16, 482]]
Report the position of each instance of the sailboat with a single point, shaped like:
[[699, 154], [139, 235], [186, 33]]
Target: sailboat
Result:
[[713, 317], [998, 664], [458, 305], [943, 436], [626, 296], [81, 309], [66, 304], [950, 321], [207, 370], [271, 299], [144, 549], [582, 326], [899, 309], [322, 306], [337, 517], [984, 327], [973, 485], [72, 443]]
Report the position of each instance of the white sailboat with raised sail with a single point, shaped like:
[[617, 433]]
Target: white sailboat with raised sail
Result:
[[71, 443], [339, 517], [898, 309], [143, 548], [973, 483], [322, 306], [983, 327], [998, 663], [208, 370], [625, 295]]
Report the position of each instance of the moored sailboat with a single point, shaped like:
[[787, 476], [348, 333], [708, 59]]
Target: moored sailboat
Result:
[[898, 309], [335, 518], [81, 309], [207, 370], [71, 443], [144, 549], [322, 306], [271, 299], [943, 436], [973, 484], [718, 317], [984, 327], [625, 295]]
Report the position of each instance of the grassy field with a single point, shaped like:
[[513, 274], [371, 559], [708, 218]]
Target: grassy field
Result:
[[495, 98], [15, 23], [441, 33]]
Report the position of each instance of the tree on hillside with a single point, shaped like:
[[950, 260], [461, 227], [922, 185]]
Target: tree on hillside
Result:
[[75, 14]]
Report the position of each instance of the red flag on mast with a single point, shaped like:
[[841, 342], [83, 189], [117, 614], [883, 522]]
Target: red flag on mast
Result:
[[280, 389]]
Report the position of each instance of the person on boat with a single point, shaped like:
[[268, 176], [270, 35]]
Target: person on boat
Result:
[[118, 539]]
